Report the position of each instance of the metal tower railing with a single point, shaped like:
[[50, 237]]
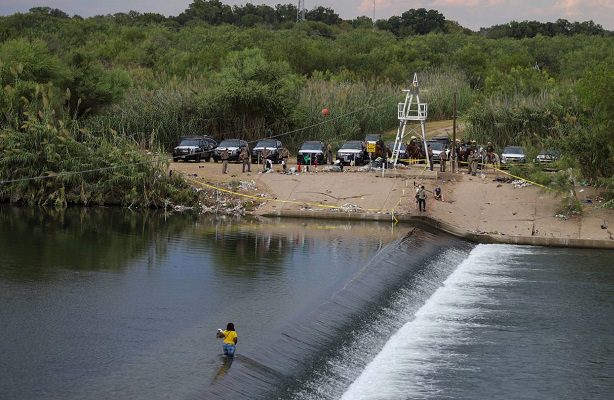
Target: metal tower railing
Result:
[[411, 110]]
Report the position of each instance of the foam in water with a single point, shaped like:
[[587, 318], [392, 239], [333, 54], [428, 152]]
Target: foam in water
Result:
[[366, 339], [406, 365]]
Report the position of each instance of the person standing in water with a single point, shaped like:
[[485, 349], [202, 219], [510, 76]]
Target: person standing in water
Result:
[[230, 339]]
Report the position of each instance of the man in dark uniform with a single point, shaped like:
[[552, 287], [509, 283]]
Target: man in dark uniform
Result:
[[443, 157], [429, 154], [225, 156], [265, 157], [421, 198], [284, 154], [473, 162], [245, 159]]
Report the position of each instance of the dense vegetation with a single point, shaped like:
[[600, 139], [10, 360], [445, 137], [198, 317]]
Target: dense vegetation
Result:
[[120, 89]]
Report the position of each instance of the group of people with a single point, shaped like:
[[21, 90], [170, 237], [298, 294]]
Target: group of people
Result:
[[472, 155], [421, 195], [465, 153], [245, 159]]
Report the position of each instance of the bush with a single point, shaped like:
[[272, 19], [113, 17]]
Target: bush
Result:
[[52, 162]]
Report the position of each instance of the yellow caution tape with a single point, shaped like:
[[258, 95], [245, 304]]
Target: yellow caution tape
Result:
[[508, 174], [257, 198]]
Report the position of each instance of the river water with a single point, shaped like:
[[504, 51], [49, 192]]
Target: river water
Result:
[[115, 304]]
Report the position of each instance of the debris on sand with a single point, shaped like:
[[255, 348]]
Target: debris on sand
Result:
[[350, 207], [518, 184]]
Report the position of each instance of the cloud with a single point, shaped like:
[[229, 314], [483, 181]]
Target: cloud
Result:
[[387, 6], [366, 6], [466, 3], [575, 8]]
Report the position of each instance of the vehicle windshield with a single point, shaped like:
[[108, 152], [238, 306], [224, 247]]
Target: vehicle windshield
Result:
[[230, 143], [311, 146], [550, 152], [267, 143], [351, 146], [436, 145], [513, 150], [391, 145], [372, 138], [189, 142]]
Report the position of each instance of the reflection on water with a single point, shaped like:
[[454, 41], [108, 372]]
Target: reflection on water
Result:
[[37, 243], [226, 364], [125, 304]]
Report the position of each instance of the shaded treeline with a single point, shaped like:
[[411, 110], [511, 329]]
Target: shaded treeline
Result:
[[141, 81], [44, 241]]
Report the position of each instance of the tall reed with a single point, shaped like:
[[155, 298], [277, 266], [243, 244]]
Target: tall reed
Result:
[[356, 109], [518, 119]]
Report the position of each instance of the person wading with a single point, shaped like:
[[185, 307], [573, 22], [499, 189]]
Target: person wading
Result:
[[230, 339]]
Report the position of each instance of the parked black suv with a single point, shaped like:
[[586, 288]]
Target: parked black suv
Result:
[[314, 150], [194, 148], [352, 151], [234, 147], [272, 145]]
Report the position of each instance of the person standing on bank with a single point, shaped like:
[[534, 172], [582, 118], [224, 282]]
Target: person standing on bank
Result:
[[284, 154], [245, 159], [230, 339], [429, 154], [476, 160], [329, 153], [225, 156], [443, 157], [421, 198], [265, 157]]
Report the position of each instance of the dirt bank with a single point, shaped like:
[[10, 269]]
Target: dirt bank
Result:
[[476, 205]]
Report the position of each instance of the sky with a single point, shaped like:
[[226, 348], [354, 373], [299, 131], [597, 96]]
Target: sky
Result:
[[469, 13]]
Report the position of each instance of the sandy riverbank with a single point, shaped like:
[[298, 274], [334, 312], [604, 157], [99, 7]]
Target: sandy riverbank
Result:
[[476, 206]]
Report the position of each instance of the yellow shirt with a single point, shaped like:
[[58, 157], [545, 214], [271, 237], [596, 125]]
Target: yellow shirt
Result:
[[229, 337]]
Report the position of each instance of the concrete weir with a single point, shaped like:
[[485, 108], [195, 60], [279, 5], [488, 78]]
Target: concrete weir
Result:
[[448, 228]]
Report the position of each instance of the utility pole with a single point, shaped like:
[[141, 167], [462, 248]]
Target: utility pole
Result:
[[300, 13], [373, 15], [453, 150]]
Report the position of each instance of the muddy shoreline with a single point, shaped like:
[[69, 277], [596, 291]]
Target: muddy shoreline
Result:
[[479, 208]]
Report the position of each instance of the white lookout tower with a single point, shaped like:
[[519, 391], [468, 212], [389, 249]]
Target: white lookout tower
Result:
[[410, 110]]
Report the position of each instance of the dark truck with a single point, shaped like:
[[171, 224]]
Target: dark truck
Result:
[[234, 147], [315, 150], [272, 145], [194, 148]]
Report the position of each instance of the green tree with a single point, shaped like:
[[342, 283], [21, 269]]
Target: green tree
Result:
[[93, 86], [251, 94], [527, 81], [323, 14], [213, 12], [591, 143]]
